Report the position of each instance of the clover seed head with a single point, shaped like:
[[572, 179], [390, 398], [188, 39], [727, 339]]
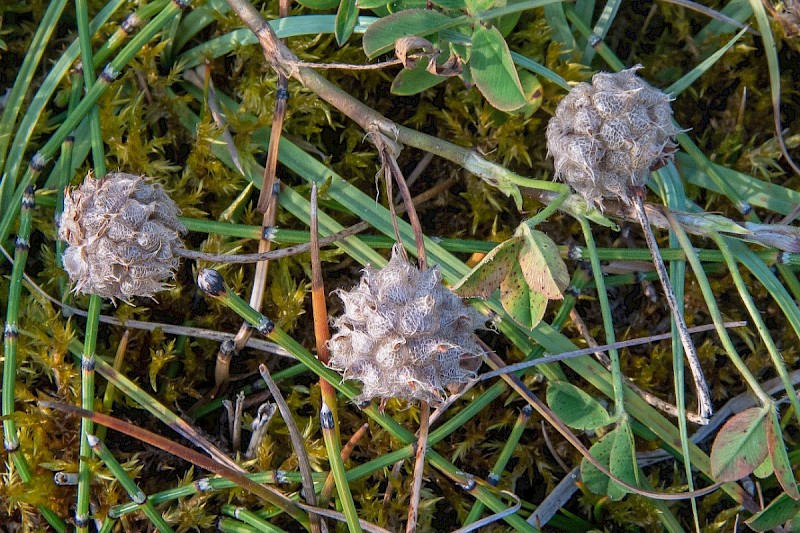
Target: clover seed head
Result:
[[122, 232], [605, 137], [403, 334]]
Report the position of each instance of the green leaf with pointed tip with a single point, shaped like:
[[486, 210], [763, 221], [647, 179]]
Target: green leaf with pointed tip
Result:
[[346, 18], [576, 408], [780, 459], [525, 306], [541, 264], [493, 70], [381, 34], [415, 80], [740, 446], [778, 512], [487, 275]]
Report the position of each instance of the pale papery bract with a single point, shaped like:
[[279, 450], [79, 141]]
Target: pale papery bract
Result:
[[403, 334], [605, 137], [122, 233]]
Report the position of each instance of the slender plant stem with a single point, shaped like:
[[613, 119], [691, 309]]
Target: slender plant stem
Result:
[[704, 408], [337, 467], [320, 311], [419, 465], [10, 345], [605, 309], [297, 443], [135, 493], [755, 314]]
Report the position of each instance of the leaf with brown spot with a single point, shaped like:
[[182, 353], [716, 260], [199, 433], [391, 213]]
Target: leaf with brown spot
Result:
[[525, 306], [740, 446], [487, 275], [541, 263]]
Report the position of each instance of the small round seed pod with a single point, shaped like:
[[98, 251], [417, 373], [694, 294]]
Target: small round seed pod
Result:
[[403, 334], [607, 136], [122, 234]]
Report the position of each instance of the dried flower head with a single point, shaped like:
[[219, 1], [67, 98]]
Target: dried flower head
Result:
[[403, 334], [607, 136], [122, 233]]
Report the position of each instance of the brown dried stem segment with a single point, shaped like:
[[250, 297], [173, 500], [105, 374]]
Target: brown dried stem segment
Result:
[[704, 408], [320, 310], [297, 443]]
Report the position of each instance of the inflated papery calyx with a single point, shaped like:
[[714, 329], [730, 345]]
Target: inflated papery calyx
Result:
[[403, 334], [607, 136], [122, 233]]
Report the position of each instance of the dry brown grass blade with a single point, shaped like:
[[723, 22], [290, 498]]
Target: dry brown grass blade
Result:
[[187, 454], [297, 443], [321, 330]]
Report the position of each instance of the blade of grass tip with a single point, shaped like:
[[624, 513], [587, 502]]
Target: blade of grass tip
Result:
[[110, 72], [601, 28], [771, 51], [690, 77], [758, 321], [10, 344], [297, 443], [330, 482], [320, 313], [502, 460], [250, 518], [238, 478], [608, 324], [22, 83], [337, 467], [135, 493], [95, 301]]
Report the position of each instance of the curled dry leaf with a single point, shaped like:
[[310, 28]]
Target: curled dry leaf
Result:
[[409, 49]]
